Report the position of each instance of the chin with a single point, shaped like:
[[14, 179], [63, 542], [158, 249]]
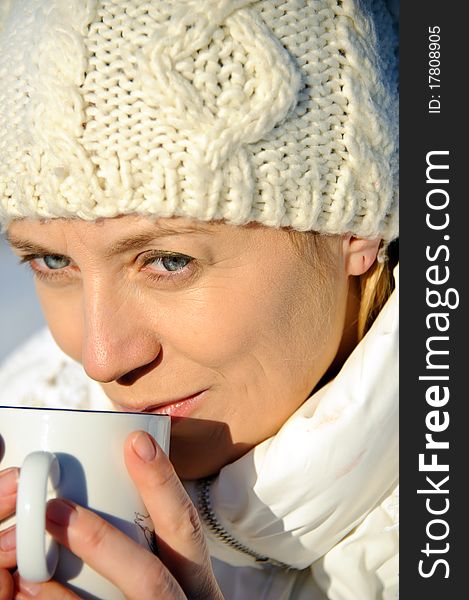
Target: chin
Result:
[[196, 467], [195, 461]]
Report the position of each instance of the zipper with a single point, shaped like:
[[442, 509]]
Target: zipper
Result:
[[219, 532]]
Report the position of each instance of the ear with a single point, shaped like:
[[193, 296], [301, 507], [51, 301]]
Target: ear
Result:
[[360, 254]]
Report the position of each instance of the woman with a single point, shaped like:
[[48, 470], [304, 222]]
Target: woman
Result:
[[202, 190]]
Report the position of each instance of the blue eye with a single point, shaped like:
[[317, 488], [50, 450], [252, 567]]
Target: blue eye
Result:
[[176, 262], [54, 261], [170, 267]]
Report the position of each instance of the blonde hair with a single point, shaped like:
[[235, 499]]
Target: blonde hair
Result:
[[376, 285]]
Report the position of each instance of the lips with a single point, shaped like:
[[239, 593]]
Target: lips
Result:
[[182, 407]]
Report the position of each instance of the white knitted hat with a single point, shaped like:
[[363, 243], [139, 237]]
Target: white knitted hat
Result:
[[277, 111]]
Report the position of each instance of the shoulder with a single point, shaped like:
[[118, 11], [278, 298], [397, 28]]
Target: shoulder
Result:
[[365, 563], [39, 374]]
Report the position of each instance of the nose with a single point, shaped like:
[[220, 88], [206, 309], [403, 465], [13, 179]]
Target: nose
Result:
[[118, 342]]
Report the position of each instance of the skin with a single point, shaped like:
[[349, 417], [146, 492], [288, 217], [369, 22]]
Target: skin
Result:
[[246, 319]]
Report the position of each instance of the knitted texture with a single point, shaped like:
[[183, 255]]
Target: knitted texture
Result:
[[282, 112]]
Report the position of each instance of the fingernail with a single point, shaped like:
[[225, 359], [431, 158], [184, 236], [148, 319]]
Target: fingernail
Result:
[[144, 446], [61, 512], [8, 481], [28, 588], [8, 539]]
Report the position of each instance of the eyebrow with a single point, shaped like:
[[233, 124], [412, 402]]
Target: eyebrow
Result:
[[131, 242]]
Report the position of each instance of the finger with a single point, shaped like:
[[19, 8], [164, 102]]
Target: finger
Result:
[[181, 542], [6, 585], [8, 548], [49, 590], [136, 572], [8, 488]]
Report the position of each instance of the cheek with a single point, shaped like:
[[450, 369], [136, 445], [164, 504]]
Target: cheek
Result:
[[213, 328], [63, 313], [279, 327]]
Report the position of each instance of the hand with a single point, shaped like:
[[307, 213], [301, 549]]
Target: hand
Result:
[[182, 568], [8, 487]]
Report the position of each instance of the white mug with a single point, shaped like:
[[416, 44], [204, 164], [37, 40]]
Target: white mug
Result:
[[76, 455]]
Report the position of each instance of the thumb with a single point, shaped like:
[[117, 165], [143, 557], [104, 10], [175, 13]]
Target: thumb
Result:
[[180, 539]]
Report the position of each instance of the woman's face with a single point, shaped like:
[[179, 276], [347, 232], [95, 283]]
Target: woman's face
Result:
[[225, 328]]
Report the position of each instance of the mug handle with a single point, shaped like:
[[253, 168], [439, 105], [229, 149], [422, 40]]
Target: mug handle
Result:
[[36, 551]]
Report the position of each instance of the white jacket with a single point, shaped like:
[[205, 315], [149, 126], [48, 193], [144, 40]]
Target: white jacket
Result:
[[319, 498]]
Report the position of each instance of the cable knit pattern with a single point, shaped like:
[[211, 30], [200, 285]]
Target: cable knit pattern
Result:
[[276, 111]]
